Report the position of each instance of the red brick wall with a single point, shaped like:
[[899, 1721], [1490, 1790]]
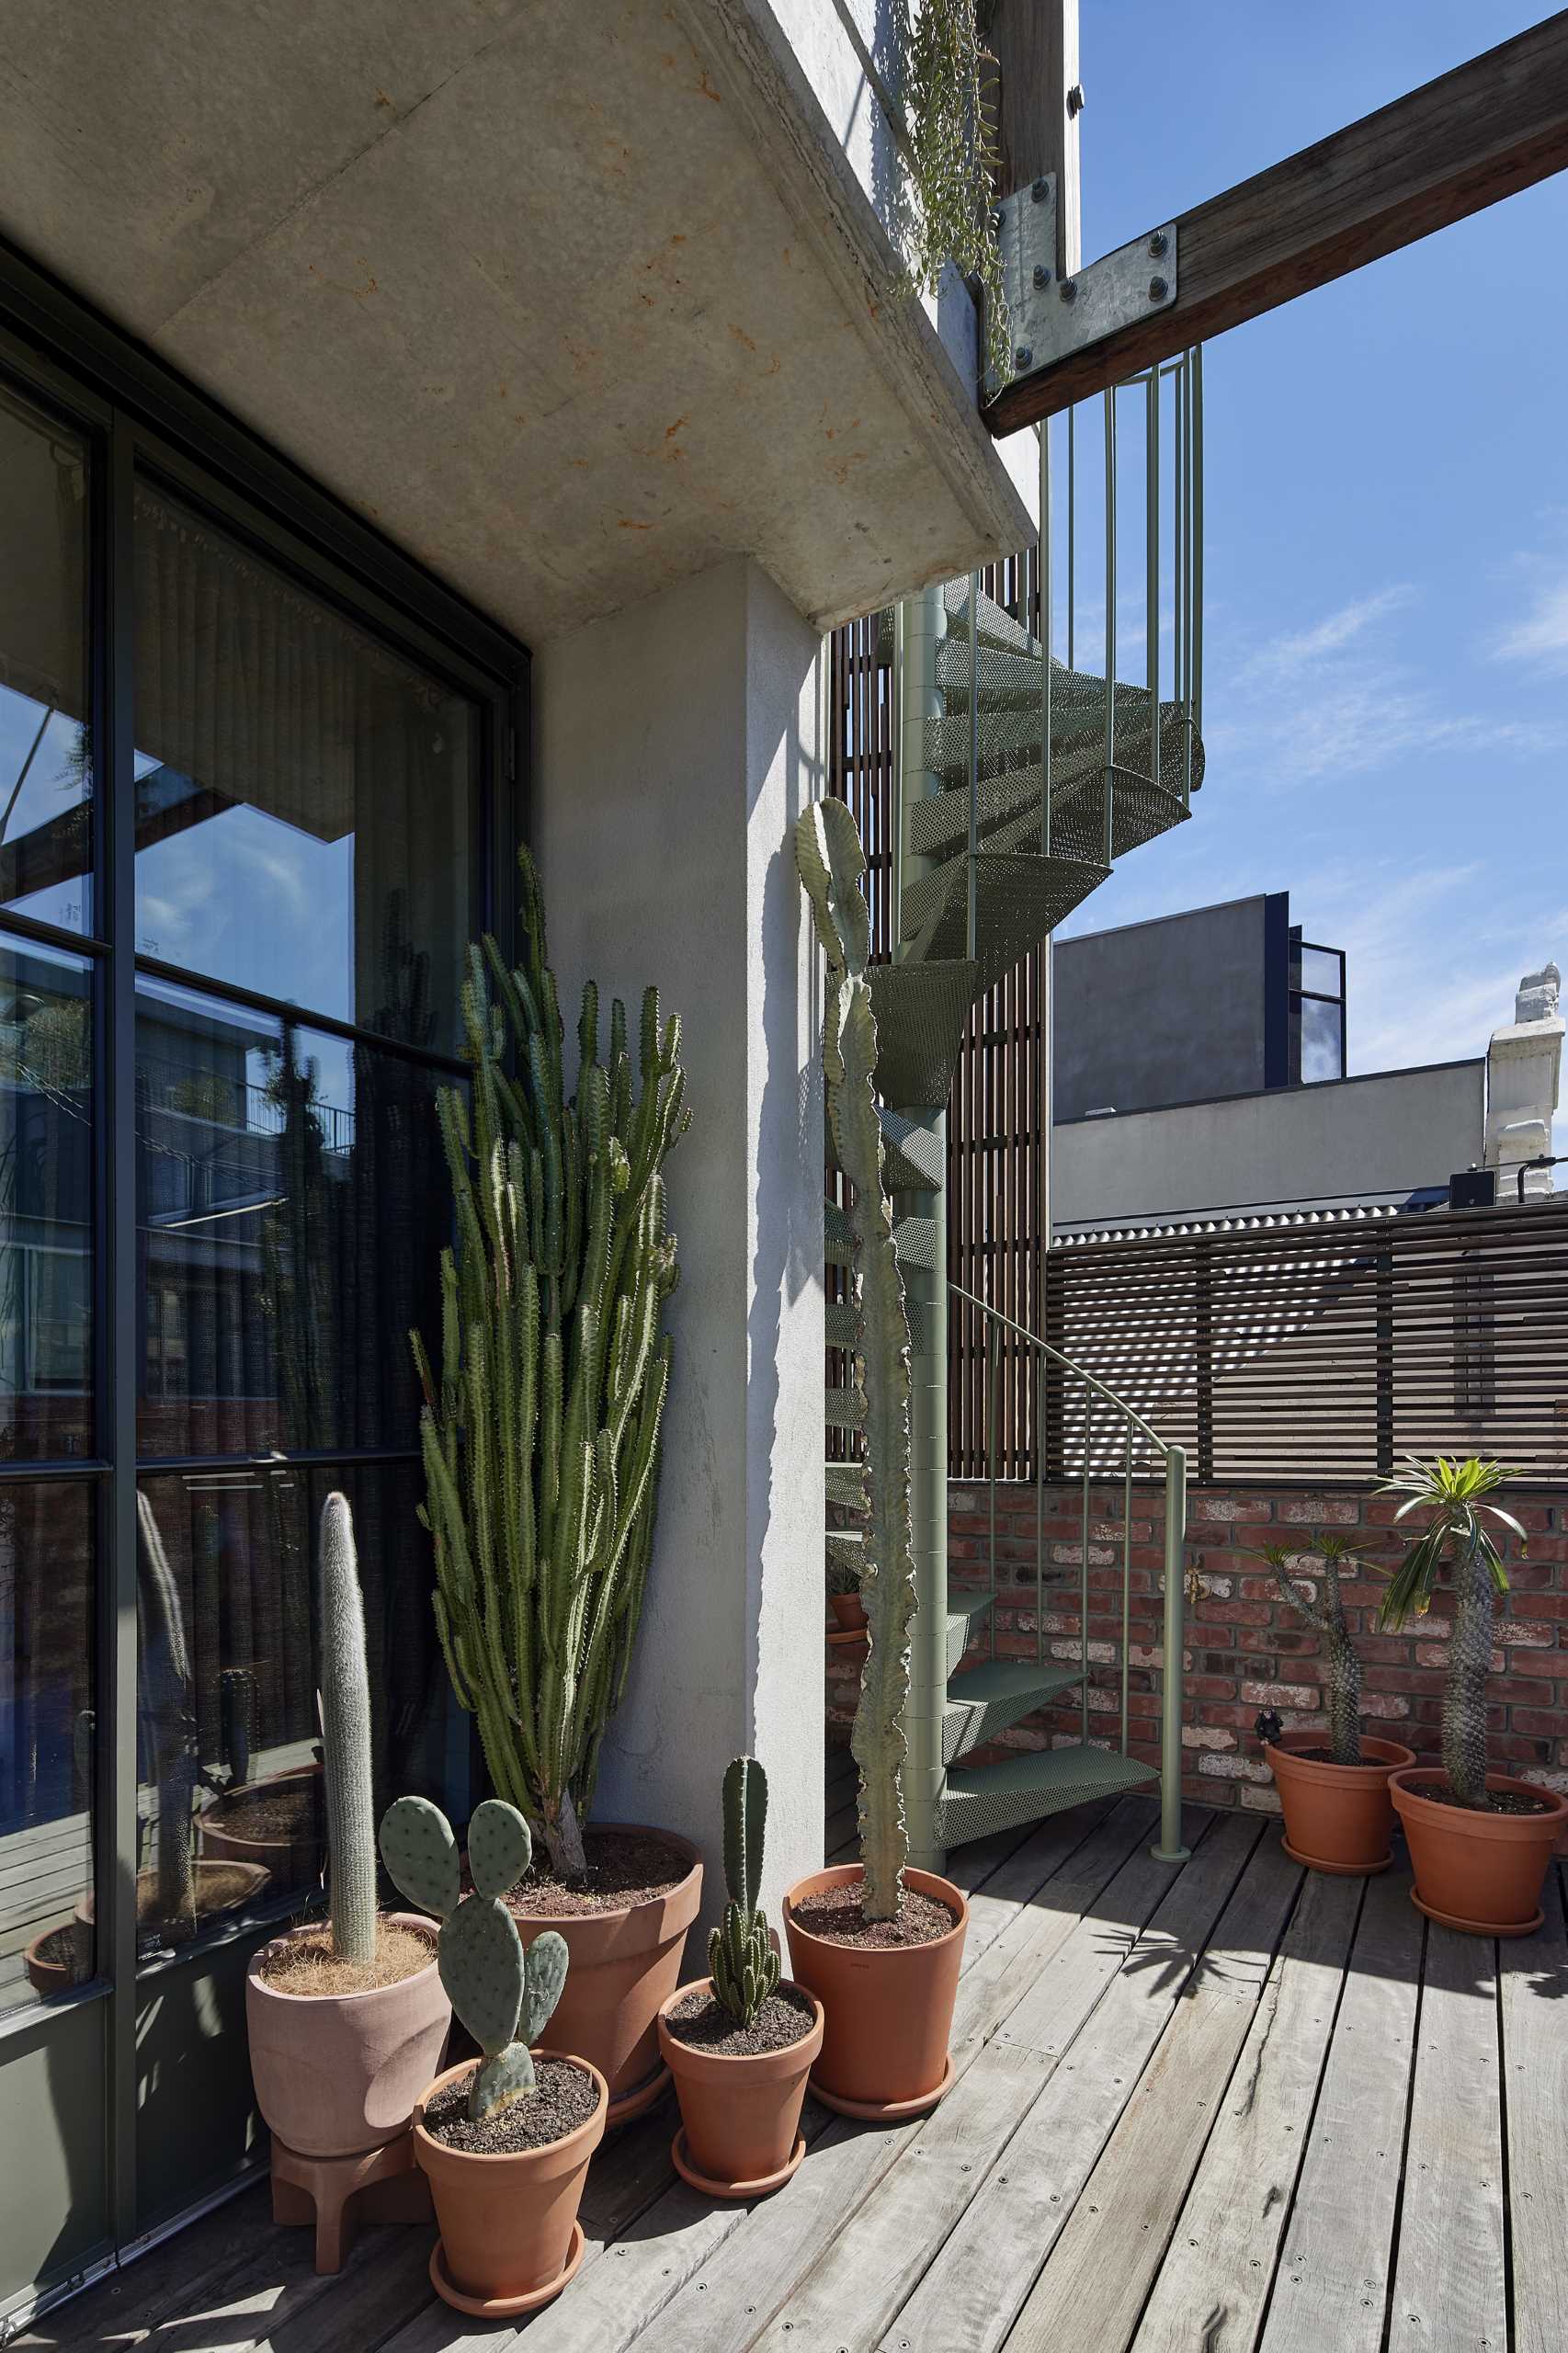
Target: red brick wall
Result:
[[1246, 1647]]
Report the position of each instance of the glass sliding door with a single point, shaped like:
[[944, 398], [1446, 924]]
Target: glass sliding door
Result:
[[248, 819]]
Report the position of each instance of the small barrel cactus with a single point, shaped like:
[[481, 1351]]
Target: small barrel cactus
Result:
[[345, 1739], [741, 1959], [503, 1997]]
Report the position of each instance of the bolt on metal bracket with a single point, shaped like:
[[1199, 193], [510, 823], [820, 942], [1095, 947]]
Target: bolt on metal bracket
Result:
[[1052, 316]]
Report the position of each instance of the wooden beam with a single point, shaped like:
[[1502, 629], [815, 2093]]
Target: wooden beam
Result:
[[1490, 128], [1038, 101]]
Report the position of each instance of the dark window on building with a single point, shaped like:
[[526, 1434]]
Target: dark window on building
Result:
[[1317, 1011]]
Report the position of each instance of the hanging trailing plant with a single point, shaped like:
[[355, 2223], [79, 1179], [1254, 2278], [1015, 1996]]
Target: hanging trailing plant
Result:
[[949, 75]]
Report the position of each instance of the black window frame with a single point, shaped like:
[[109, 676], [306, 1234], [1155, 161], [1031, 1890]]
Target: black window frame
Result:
[[1299, 995], [141, 419]]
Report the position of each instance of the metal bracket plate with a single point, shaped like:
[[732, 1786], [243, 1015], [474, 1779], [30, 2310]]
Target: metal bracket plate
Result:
[[1052, 317]]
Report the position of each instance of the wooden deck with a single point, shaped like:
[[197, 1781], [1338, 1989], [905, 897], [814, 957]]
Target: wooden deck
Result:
[[1197, 2110]]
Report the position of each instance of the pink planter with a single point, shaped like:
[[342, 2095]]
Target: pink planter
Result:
[[338, 2073]]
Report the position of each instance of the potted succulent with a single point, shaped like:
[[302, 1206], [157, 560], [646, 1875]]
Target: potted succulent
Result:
[[348, 2018], [741, 2041], [844, 1594], [878, 1943], [1333, 1783], [505, 2139], [541, 1438], [1480, 1842]]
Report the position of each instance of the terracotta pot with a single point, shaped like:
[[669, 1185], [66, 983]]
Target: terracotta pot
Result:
[[58, 1958], [890, 2012], [293, 1862], [207, 1876], [625, 1964], [850, 1610], [1338, 1818], [1480, 1872], [740, 2113], [338, 2073], [508, 2224]]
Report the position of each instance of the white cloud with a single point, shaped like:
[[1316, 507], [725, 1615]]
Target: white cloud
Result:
[[1539, 636]]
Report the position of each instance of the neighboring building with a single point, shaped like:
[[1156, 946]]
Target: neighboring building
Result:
[[1199, 1070]]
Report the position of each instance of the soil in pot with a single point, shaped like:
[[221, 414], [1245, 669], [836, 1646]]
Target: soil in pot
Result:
[[218, 1888], [888, 1988], [625, 1928], [563, 2099], [741, 2088], [507, 2208], [306, 1964], [1338, 1818], [701, 2023], [1480, 1871], [277, 1822]]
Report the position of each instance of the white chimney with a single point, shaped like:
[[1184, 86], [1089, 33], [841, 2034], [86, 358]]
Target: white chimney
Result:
[[1523, 1072]]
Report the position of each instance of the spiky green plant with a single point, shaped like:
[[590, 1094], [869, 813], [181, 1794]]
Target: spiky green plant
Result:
[[1342, 1668], [832, 863], [1454, 1493], [170, 1729], [345, 1739], [947, 73], [541, 1437], [741, 1959], [504, 1996]]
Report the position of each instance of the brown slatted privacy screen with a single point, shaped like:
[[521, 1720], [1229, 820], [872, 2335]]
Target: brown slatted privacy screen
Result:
[[993, 1115], [1325, 1352]]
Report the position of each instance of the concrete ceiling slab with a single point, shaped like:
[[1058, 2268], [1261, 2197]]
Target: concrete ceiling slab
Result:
[[573, 302]]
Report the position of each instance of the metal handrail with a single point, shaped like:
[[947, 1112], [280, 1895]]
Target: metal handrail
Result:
[[1174, 1460]]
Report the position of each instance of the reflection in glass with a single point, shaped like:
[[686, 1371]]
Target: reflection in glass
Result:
[[291, 1219], [1323, 1050], [1320, 971], [46, 1179], [229, 1738], [46, 1741], [45, 761], [304, 795]]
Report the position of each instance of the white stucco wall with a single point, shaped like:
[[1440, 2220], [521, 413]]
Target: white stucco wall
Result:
[[1377, 1138], [675, 746]]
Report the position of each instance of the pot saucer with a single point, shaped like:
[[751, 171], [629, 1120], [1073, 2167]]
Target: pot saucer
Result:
[[505, 2307], [1338, 1870], [1477, 1928], [709, 2187], [886, 2111], [638, 2101]]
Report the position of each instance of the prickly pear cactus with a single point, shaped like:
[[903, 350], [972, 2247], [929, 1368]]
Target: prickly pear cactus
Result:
[[832, 864], [741, 1959], [490, 1983]]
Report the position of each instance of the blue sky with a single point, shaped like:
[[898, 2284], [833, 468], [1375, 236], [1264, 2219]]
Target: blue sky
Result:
[[1387, 676]]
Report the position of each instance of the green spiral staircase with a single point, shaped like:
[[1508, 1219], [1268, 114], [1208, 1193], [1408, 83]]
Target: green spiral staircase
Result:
[[998, 844]]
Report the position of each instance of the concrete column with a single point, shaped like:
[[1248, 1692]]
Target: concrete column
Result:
[[675, 746]]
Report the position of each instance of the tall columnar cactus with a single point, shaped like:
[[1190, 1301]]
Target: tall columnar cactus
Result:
[[741, 1959], [504, 1997], [1325, 1615], [831, 863], [1453, 1492], [541, 1437], [170, 1729], [345, 1739]]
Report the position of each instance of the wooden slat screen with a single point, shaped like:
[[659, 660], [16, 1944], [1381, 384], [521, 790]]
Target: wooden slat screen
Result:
[[1328, 1351]]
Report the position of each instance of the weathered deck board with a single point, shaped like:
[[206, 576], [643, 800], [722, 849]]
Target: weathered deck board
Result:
[[1333, 2279], [1088, 2061], [1179, 2138], [1214, 2282], [1535, 2091], [1107, 2257], [1449, 2282]]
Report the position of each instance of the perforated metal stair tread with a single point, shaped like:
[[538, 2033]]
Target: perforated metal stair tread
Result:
[[847, 1485], [964, 1612], [838, 1235], [1019, 897], [985, 1699], [921, 1011], [843, 1410], [979, 1798], [912, 1155]]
